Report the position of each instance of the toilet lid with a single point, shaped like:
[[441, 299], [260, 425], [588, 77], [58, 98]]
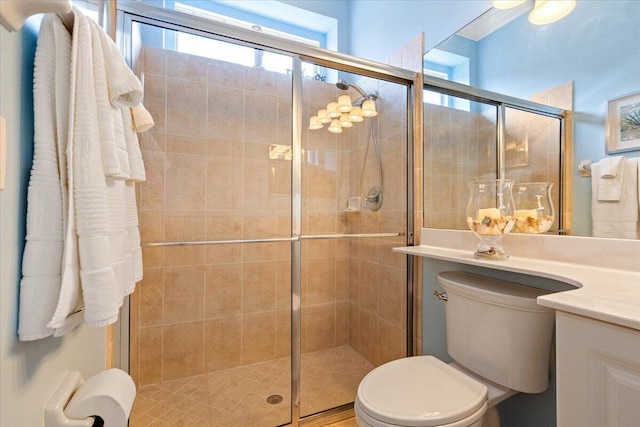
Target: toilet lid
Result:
[[419, 391]]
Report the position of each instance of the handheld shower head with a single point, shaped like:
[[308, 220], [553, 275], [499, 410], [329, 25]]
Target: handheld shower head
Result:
[[342, 84], [345, 85]]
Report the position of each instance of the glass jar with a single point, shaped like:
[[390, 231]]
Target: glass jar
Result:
[[490, 215], [534, 208]]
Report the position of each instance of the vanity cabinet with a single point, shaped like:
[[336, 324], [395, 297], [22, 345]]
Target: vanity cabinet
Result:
[[598, 373]]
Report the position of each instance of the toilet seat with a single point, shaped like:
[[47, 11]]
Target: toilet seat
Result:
[[420, 391]]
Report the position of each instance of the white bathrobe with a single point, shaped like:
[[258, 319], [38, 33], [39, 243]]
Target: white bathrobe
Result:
[[47, 193], [97, 252]]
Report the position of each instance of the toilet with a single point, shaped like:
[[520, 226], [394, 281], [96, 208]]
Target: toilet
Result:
[[500, 341]]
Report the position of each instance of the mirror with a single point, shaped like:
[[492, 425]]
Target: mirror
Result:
[[579, 62]]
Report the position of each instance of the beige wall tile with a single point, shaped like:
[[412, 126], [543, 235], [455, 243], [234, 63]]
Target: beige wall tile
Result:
[[259, 286], [225, 118], [258, 337], [183, 181], [186, 107], [222, 343], [184, 225], [391, 286], [321, 281], [223, 225], [321, 326], [368, 338], [184, 66], [151, 296], [183, 350], [223, 290], [369, 286], [226, 74], [183, 294], [283, 333], [185, 144], [183, 255], [220, 183], [150, 355], [152, 225], [390, 342]]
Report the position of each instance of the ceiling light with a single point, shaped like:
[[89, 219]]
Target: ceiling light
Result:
[[369, 108], [548, 11], [335, 127], [344, 104], [331, 110], [356, 115], [322, 117], [314, 123]]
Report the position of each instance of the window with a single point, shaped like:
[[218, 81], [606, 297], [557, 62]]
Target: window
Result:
[[432, 97], [242, 55]]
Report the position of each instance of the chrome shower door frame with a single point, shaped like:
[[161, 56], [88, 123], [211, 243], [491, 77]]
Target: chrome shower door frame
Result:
[[130, 12]]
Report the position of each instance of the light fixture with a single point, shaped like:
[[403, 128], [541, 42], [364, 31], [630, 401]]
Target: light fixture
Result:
[[322, 117], [335, 127], [331, 110], [548, 11], [344, 104], [369, 108], [314, 123], [343, 113], [345, 121], [356, 115], [507, 4]]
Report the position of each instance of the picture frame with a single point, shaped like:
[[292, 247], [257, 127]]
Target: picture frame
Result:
[[622, 123]]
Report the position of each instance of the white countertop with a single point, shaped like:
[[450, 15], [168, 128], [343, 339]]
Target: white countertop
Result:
[[605, 272]]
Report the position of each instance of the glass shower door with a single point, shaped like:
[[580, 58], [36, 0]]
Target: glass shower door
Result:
[[353, 287], [210, 323]]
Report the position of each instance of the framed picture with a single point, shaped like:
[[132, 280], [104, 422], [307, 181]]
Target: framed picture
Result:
[[623, 123]]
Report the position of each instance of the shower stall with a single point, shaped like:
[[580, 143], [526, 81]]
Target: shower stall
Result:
[[270, 285]]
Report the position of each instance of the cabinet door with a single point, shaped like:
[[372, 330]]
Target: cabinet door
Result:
[[598, 373]]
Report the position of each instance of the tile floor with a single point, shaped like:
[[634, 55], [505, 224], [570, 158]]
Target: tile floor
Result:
[[237, 397]]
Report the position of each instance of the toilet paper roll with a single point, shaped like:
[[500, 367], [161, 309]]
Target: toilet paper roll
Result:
[[108, 395]]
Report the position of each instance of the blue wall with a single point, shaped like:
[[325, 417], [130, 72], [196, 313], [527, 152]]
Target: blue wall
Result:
[[380, 28], [596, 47]]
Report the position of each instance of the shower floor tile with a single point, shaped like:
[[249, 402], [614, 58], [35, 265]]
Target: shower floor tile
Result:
[[237, 397]]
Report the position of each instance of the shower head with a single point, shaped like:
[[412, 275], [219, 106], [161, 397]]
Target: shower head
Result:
[[345, 85]]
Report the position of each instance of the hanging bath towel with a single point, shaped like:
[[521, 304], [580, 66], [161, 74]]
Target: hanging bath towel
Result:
[[106, 238]]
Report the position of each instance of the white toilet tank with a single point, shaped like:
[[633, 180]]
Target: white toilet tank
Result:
[[497, 330]]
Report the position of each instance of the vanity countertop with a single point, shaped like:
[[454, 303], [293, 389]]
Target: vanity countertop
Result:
[[605, 272]]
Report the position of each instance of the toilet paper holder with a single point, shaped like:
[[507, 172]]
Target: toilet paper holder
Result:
[[54, 415]]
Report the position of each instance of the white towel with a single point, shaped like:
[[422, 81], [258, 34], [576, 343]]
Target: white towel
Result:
[[142, 120], [618, 219], [609, 166], [101, 202], [134, 155], [125, 88], [47, 195], [610, 179], [115, 160]]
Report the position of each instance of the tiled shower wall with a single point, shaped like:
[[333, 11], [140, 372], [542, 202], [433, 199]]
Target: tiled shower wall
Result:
[[209, 177], [459, 146]]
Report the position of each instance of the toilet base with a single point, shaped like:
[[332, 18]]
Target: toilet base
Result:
[[491, 418]]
